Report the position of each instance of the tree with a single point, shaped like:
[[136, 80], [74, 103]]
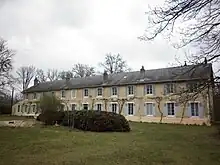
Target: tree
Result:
[[65, 75], [24, 75], [196, 23], [41, 76], [6, 55], [83, 70], [114, 64], [52, 74]]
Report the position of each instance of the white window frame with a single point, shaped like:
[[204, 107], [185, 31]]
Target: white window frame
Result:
[[84, 104], [101, 106], [117, 110], [62, 94], [72, 106], [128, 108], [173, 88], [131, 90], [149, 89], [173, 107], [116, 91], [146, 108], [98, 92], [84, 92], [198, 102], [73, 96]]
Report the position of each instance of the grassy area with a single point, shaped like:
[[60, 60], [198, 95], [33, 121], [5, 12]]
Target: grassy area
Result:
[[154, 144], [9, 117]]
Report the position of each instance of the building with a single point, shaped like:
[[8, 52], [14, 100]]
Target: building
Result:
[[145, 95]]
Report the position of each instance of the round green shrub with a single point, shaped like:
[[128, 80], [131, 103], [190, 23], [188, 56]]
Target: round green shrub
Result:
[[51, 117], [98, 121]]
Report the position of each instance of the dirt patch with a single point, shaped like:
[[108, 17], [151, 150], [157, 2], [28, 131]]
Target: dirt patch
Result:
[[17, 123]]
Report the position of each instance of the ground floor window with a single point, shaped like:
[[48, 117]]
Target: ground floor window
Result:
[[33, 108], [130, 108], [114, 107], [73, 107], [170, 109], [85, 106], [18, 108], [149, 109], [99, 107], [194, 109]]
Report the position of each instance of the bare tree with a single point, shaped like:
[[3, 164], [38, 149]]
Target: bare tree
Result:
[[114, 64], [52, 74], [25, 74], [83, 70], [65, 75], [196, 23], [6, 55], [41, 76]]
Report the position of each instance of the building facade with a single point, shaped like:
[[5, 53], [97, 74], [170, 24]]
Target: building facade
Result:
[[146, 95]]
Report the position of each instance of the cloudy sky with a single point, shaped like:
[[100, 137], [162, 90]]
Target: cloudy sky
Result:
[[57, 34]]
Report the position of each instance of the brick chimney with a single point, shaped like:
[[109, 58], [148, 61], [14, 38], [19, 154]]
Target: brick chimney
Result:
[[105, 76]]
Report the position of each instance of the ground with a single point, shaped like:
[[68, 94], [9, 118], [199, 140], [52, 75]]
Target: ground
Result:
[[155, 144]]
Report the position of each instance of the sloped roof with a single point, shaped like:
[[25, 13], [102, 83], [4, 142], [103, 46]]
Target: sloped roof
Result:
[[181, 73]]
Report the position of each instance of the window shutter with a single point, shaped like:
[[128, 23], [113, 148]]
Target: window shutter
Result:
[[125, 109], [110, 92], [145, 89], [176, 108], [145, 109], [134, 109], [96, 107], [201, 110], [154, 109], [110, 107], [165, 89], [126, 88], [134, 87], [165, 109], [118, 91], [189, 110], [154, 90]]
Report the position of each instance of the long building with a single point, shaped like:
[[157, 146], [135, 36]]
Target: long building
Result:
[[156, 95]]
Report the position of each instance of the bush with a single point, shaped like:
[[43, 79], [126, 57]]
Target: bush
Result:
[[98, 121], [51, 117]]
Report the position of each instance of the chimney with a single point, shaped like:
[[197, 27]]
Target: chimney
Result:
[[205, 61], [142, 70], [185, 63], [68, 76], [36, 82], [105, 76]]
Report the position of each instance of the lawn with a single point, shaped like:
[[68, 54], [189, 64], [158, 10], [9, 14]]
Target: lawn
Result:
[[154, 144]]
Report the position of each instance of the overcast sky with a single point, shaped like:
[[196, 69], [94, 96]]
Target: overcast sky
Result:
[[57, 34]]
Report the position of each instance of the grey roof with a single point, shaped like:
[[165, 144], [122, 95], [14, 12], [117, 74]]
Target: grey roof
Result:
[[181, 73]]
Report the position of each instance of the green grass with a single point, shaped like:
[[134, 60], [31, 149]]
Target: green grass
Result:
[[155, 144], [9, 117]]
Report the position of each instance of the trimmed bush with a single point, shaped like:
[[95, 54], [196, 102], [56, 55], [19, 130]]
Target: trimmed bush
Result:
[[98, 121], [51, 117]]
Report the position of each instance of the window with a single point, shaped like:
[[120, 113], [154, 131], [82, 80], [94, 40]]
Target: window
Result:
[[149, 89], [26, 96], [170, 109], [85, 107], [169, 88], [18, 108], [73, 107], [86, 92], [114, 91], [34, 96], [114, 108], [99, 107], [26, 108], [62, 94], [33, 108], [130, 109], [194, 109], [149, 109], [193, 87], [73, 93], [99, 92], [130, 90]]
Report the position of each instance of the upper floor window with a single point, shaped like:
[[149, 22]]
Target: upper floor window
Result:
[[73, 107], [149, 89], [192, 87], [170, 109], [169, 88], [73, 93], [130, 90], [194, 107], [63, 94], [114, 91], [99, 91], [53, 93], [86, 92]]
